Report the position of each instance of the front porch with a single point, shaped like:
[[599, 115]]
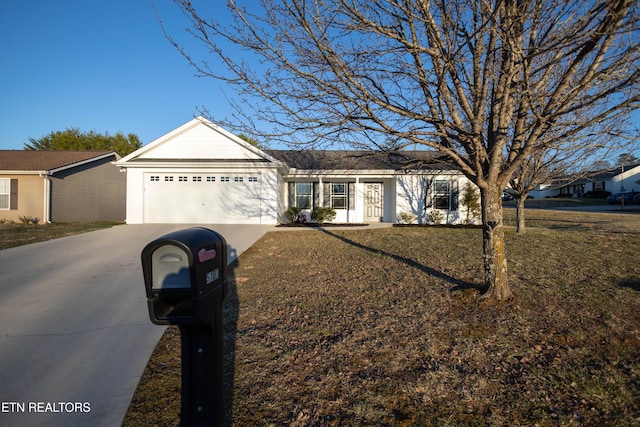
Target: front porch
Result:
[[355, 199]]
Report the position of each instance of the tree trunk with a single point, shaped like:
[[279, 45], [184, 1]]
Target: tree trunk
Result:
[[495, 260], [520, 228]]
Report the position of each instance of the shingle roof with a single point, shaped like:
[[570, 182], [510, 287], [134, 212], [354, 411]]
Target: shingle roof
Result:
[[361, 160], [43, 160]]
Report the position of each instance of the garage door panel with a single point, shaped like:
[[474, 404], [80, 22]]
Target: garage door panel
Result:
[[179, 198]]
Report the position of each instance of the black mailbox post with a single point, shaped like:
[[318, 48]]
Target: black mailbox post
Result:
[[184, 275]]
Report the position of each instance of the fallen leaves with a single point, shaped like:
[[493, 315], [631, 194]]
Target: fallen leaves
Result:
[[367, 331]]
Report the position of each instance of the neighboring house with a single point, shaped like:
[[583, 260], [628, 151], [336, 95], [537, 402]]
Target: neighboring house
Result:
[[61, 186], [200, 173], [628, 180], [615, 180]]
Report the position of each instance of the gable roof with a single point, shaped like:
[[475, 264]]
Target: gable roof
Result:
[[362, 160], [47, 160], [196, 141]]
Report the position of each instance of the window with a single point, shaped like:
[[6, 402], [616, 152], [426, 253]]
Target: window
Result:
[[183, 179], [238, 179], [441, 195], [5, 193], [196, 179], [155, 178], [445, 195], [253, 179], [340, 195], [211, 179], [304, 195], [224, 179], [168, 179]]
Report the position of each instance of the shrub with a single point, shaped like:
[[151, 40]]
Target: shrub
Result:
[[597, 194], [471, 201], [408, 217], [25, 219], [321, 215], [294, 214], [435, 217]]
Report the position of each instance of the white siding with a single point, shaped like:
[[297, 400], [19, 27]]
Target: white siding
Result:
[[182, 161], [199, 142], [412, 195], [629, 180]]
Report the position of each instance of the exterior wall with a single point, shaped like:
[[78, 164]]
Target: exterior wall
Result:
[[403, 193], [415, 192], [270, 196], [92, 192], [135, 196], [30, 198], [600, 185], [543, 191], [356, 213], [629, 180], [199, 142]]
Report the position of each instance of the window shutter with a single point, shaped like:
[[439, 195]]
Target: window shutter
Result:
[[316, 195], [428, 200], [326, 196], [292, 194], [13, 199], [454, 195], [352, 196]]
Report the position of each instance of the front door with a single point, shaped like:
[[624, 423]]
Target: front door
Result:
[[373, 202]]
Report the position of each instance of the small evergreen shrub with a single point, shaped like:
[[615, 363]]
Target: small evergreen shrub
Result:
[[294, 214], [321, 214], [471, 201]]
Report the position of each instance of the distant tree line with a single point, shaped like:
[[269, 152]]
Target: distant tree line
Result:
[[74, 139]]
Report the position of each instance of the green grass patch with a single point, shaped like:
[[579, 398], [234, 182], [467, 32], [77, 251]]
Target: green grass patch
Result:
[[383, 327]]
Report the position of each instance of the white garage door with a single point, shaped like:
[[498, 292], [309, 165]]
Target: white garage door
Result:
[[202, 198]]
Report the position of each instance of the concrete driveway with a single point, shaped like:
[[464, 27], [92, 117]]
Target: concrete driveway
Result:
[[75, 334]]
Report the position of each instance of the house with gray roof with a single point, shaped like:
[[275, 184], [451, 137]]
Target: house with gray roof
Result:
[[200, 173], [601, 182], [61, 186]]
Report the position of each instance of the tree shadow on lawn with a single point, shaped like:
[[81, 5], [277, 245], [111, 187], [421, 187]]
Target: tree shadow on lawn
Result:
[[631, 283], [459, 285]]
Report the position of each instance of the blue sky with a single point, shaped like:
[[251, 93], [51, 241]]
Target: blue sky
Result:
[[100, 65], [96, 65]]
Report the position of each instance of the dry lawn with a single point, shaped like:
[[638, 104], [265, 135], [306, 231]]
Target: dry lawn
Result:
[[384, 328], [15, 234]]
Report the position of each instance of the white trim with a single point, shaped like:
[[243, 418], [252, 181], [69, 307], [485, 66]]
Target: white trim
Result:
[[8, 195], [6, 172], [124, 162], [83, 162]]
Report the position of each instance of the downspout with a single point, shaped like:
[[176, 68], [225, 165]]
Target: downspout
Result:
[[46, 214]]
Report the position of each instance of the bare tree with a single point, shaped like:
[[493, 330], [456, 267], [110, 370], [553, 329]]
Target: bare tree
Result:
[[482, 81], [568, 159]]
